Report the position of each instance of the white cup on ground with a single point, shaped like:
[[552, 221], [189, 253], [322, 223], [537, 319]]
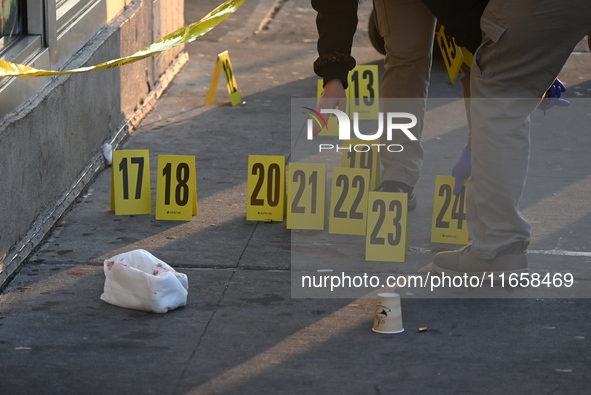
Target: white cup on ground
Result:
[[388, 313]]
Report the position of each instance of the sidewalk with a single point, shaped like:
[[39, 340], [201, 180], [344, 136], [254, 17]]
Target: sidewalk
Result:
[[241, 331]]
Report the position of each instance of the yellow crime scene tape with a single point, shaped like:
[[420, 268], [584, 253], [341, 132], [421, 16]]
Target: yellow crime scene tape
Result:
[[183, 35]]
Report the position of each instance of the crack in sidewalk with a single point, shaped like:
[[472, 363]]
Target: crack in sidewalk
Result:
[[266, 22]]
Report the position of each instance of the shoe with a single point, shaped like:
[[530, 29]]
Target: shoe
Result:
[[465, 261], [397, 186]]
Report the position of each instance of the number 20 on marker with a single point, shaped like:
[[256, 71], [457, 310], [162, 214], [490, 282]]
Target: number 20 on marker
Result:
[[449, 213], [266, 188]]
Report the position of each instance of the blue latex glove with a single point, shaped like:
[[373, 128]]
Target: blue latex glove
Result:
[[552, 96], [462, 170]]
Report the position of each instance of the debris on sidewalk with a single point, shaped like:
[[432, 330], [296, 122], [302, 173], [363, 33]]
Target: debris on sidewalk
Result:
[[138, 280]]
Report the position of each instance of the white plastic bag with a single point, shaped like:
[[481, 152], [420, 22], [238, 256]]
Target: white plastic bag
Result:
[[140, 281]]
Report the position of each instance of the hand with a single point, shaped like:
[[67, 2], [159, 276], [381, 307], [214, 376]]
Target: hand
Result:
[[552, 96], [462, 170], [334, 96]]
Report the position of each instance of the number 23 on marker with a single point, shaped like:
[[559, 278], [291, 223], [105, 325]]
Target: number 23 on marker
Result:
[[386, 227], [266, 188]]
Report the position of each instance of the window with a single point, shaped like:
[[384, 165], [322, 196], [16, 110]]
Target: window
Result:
[[68, 10], [11, 21], [45, 34]]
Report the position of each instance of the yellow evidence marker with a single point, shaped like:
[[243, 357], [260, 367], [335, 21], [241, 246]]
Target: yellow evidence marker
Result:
[[265, 200], [131, 182], [176, 188], [452, 55], [363, 154], [364, 92], [449, 213], [348, 201], [387, 219], [306, 196], [223, 64], [362, 97]]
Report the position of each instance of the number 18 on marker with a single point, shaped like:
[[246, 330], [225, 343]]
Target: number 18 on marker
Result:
[[176, 190]]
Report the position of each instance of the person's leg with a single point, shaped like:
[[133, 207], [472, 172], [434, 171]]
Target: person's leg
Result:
[[525, 45], [408, 28]]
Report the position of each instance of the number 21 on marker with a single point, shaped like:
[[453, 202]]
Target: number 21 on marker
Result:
[[266, 188], [306, 196]]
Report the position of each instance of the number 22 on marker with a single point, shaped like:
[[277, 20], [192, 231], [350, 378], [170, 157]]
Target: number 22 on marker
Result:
[[348, 201]]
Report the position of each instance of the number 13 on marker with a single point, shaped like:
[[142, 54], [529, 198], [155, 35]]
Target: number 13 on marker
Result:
[[266, 188]]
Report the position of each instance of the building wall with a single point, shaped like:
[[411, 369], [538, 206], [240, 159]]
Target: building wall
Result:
[[50, 148]]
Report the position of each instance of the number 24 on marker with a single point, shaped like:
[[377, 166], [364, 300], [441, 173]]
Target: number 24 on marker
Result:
[[449, 213]]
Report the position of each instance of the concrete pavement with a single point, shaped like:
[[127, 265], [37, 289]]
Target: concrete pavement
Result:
[[242, 332]]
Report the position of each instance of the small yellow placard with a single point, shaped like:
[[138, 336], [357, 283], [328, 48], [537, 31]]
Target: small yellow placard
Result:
[[387, 215], [364, 92], [265, 200], [449, 213], [468, 56], [362, 95], [348, 201], [363, 154], [223, 64], [307, 196], [452, 55], [176, 188], [131, 182]]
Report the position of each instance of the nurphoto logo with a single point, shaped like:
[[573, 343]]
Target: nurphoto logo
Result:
[[392, 121]]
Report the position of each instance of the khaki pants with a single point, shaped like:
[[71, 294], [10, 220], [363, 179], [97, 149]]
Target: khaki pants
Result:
[[525, 44], [408, 28]]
